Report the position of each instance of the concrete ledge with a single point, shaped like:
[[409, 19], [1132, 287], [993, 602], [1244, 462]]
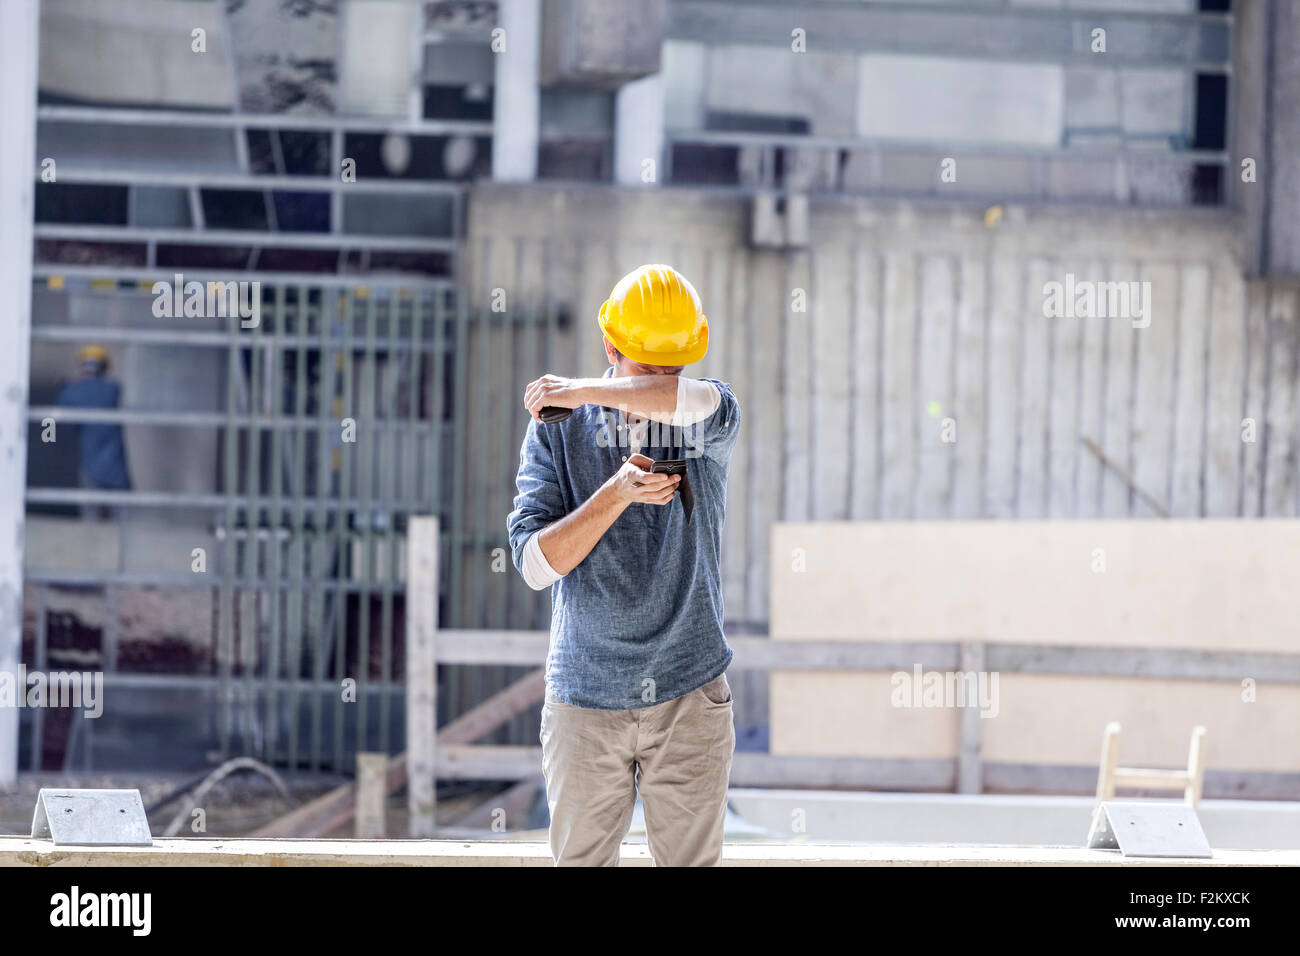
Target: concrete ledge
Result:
[[1008, 819], [21, 851]]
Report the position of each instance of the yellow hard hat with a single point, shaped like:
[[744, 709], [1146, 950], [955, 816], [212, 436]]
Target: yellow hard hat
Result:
[[93, 353], [654, 317]]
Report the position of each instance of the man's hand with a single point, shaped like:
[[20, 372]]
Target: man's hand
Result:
[[553, 390], [631, 485], [568, 541]]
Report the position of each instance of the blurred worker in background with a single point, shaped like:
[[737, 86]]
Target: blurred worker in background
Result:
[[103, 452], [636, 691]]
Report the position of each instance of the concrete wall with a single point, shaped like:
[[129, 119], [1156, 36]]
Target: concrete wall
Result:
[[913, 314], [916, 314]]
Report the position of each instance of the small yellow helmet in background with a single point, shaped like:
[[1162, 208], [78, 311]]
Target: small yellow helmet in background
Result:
[[93, 353], [654, 317]]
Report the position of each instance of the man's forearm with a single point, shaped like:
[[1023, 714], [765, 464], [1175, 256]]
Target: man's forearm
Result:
[[567, 542], [649, 396]]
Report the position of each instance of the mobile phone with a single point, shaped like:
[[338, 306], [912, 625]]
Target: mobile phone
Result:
[[550, 414], [677, 466]]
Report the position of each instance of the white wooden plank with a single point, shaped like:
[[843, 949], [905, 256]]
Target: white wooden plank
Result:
[[796, 383], [1035, 356], [867, 389], [372, 793], [1279, 466], [769, 300], [1186, 452], [726, 310], [971, 387], [1257, 372], [421, 671], [1063, 413], [934, 390], [900, 386], [1226, 374], [1005, 344], [1090, 473], [832, 404], [1157, 346], [1116, 431]]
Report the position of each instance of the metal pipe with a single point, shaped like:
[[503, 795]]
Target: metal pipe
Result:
[[19, 41]]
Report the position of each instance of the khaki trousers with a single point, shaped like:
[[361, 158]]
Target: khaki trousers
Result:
[[677, 754]]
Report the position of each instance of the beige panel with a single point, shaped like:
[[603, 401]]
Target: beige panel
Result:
[[1038, 719], [1178, 583], [816, 713], [1054, 719]]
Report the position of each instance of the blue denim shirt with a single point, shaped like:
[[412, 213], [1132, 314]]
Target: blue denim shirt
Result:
[[639, 621]]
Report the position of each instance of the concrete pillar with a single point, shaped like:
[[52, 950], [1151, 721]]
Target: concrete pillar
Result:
[[639, 130], [1265, 128], [18, 46], [516, 99]]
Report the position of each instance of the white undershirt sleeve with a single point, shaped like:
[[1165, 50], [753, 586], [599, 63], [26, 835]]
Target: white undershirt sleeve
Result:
[[537, 570], [696, 401]]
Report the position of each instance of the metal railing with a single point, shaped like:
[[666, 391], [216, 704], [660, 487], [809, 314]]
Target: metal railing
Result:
[[788, 163], [342, 414]]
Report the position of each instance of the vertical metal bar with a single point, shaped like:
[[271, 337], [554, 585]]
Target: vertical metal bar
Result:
[[410, 498], [500, 610], [970, 773], [482, 458], [274, 518], [341, 531], [437, 432], [534, 315], [39, 660], [459, 399], [298, 540], [326, 385], [437, 409], [366, 466], [460, 462], [514, 325], [229, 544], [252, 637], [388, 545], [410, 503], [480, 676]]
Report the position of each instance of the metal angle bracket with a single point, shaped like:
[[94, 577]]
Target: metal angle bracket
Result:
[[1149, 829], [91, 818]]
